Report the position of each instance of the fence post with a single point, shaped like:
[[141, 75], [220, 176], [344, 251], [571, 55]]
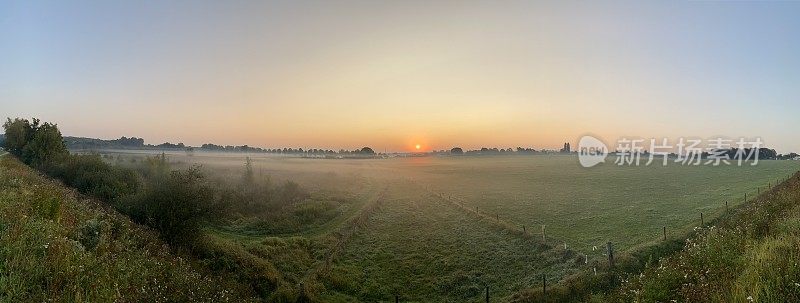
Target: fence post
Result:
[[701, 220], [610, 250], [665, 233], [544, 234], [524, 231], [544, 284], [487, 294], [745, 197], [396, 299], [302, 293], [726, 205]]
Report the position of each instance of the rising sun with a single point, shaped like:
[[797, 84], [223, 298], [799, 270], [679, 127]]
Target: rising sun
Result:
[[417, 146]]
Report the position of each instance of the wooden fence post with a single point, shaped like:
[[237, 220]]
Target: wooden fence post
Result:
[[487, 294], [665, 233], [524, 231], [726, 205], [302, 293], [544, 284], [701, 220], [610, 250], [544, 234], [396, 299]]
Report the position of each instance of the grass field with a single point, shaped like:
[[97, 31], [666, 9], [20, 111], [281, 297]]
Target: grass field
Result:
[[410, 225]]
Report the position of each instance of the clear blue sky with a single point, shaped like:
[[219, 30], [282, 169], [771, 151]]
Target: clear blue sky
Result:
[[395, 74]]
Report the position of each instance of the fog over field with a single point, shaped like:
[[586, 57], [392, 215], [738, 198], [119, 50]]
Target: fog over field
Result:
[[454, 221]]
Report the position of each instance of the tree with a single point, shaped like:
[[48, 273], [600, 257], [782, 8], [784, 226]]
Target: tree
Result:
[[47, 145], [35, 144], [367, 151], [18, 133], [457, 151]]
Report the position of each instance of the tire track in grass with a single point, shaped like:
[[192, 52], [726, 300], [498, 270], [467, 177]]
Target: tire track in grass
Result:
[[346, 232], [425, 250]]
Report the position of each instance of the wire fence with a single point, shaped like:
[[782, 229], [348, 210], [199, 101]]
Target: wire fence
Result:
[[603, 252]]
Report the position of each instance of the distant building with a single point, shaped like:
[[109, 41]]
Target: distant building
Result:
[[566, 148]]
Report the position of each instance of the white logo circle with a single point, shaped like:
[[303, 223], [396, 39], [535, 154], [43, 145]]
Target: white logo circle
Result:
[[591, 151]]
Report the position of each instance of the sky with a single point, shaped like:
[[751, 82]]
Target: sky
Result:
[[393, 74]]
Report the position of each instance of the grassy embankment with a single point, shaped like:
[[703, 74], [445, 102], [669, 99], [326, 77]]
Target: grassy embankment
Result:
[[56, 244], [748, 255]]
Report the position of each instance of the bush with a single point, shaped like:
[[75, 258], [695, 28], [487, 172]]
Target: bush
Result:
[[90, 175], [176, 206], [90, 234]]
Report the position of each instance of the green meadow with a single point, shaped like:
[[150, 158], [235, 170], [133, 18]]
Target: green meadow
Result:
[[445, 228]]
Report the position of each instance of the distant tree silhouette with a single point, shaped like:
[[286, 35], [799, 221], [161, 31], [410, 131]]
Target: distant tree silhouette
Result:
[[367, 151], [457, 151]]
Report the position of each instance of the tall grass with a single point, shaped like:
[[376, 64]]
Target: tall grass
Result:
[[749, 255], [56, 245]]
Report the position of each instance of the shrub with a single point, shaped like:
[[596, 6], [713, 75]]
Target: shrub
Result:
[[291, 192], [90, 234], [176, 206], [90, 175]]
